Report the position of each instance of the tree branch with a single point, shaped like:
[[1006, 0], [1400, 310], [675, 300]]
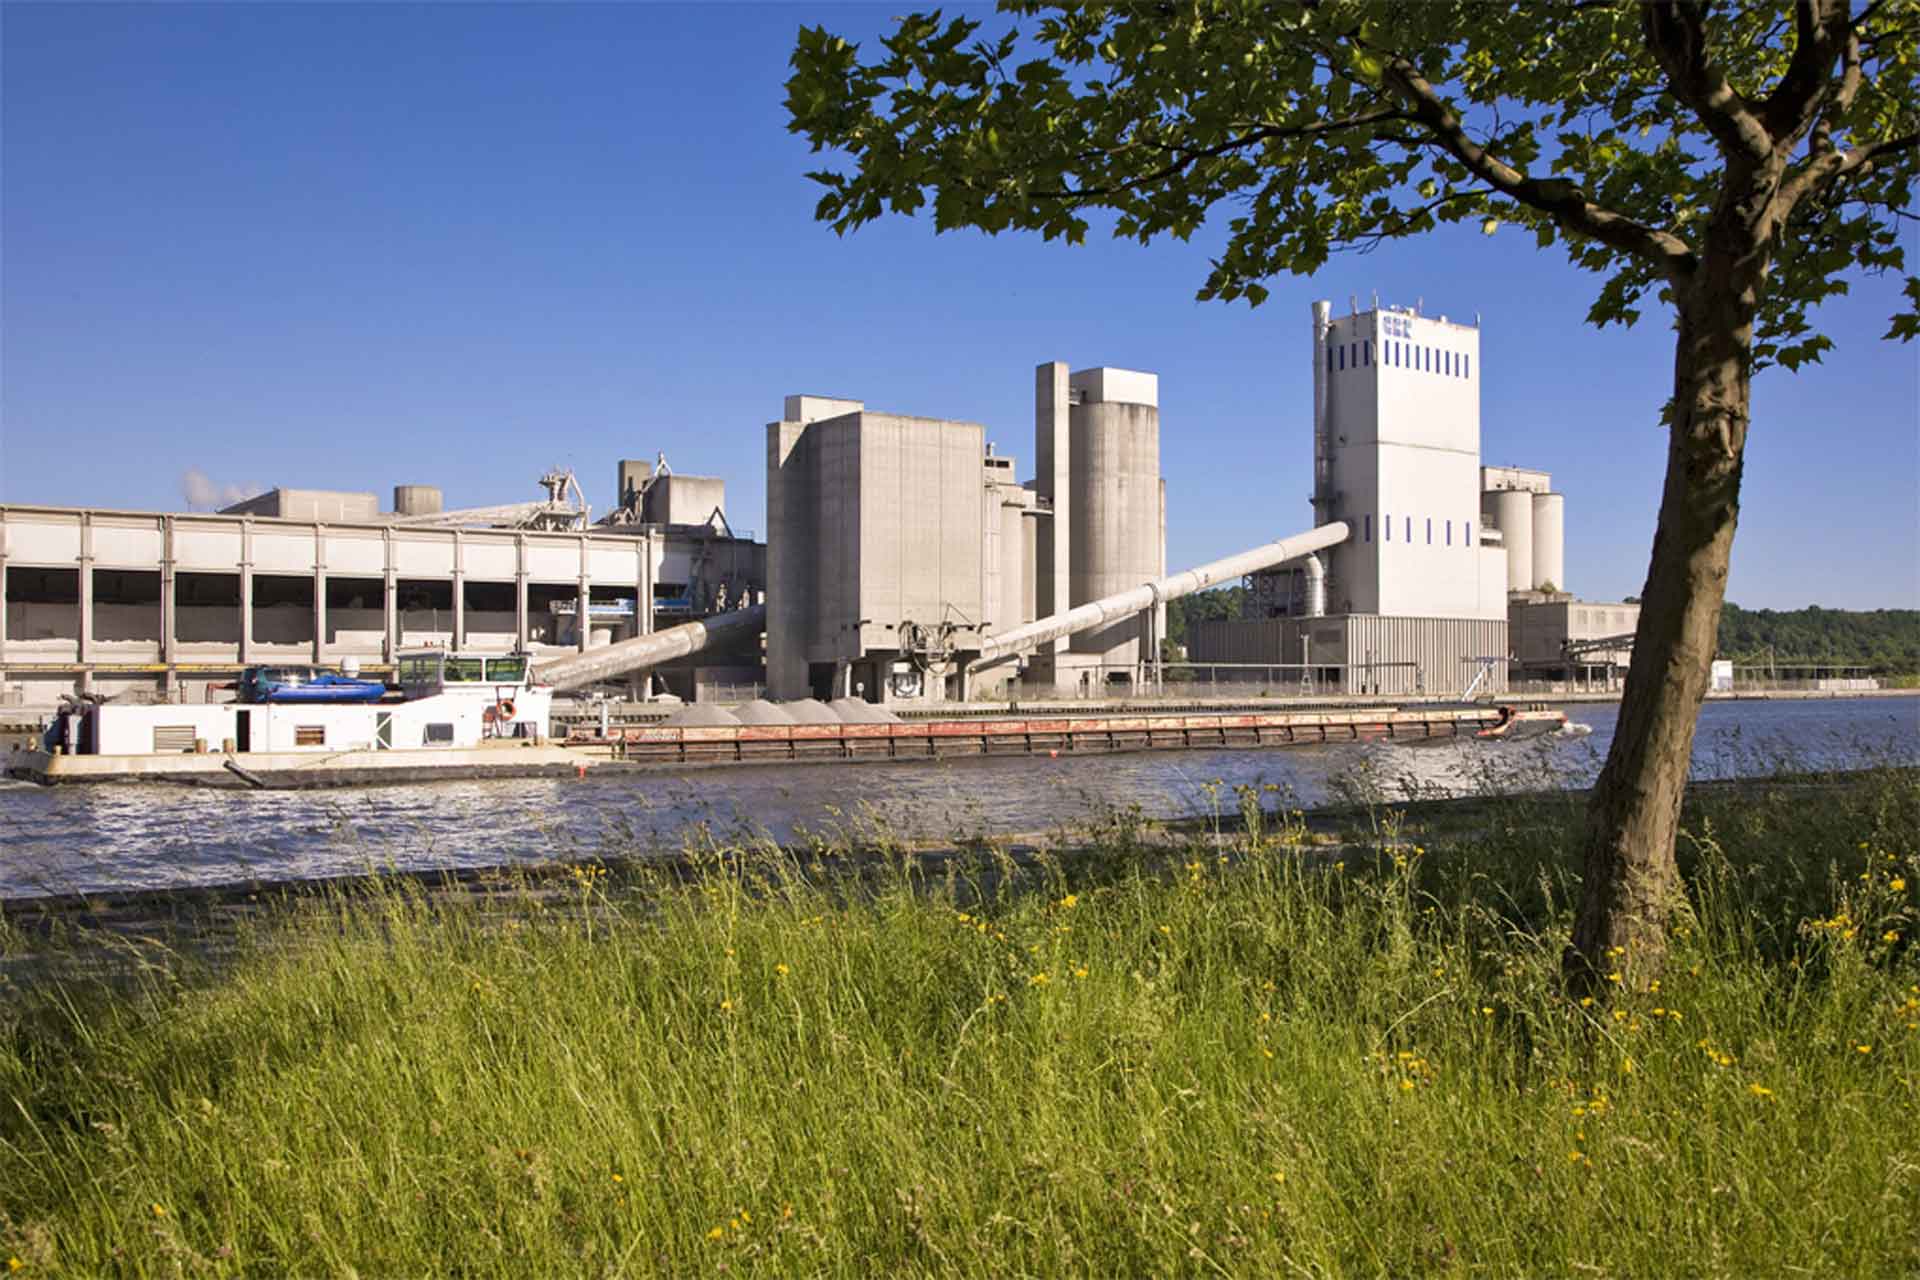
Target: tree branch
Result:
[[1185, 158], [1676, 37], [1558, 198], [1831, 166]]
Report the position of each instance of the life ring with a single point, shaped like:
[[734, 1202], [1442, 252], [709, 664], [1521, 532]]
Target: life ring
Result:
[[505, 708]]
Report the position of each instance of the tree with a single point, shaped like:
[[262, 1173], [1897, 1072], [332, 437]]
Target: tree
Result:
[[1735, 160]]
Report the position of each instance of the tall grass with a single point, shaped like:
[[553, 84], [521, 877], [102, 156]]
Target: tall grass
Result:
[[1278, 1050]]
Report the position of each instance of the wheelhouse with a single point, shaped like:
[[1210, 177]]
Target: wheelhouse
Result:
[[436, 671]]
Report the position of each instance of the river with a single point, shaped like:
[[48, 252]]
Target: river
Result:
[[71, 839]]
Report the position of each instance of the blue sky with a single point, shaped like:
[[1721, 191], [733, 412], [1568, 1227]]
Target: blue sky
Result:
[[353, 246]]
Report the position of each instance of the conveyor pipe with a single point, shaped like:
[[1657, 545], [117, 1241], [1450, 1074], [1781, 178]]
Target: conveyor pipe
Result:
[[1097, 613], [642, 652]]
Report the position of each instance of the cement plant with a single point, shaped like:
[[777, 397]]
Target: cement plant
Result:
[[911, 573]]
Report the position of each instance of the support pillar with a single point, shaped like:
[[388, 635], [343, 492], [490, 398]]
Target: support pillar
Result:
[[319, 595], [169, 608], [83, 644], [583, 602], [522, 634], [390, 604], [459, 592], [246, 592], [3, 608]]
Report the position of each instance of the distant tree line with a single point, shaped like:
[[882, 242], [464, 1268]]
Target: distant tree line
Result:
[[1881, 638], [1886, 639]]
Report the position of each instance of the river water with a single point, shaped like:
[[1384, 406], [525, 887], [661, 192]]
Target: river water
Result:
[[69, 839]]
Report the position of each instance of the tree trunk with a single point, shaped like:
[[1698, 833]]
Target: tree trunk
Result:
[[1630, 883]]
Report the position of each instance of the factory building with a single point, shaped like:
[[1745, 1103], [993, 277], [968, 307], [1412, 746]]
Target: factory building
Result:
[[109, 601], [1415, 600], [1553, 636], [897, 544]]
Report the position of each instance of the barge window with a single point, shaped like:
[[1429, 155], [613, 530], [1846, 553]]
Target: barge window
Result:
[[309, 735], [506, 670], [439, 733], [462, 671]]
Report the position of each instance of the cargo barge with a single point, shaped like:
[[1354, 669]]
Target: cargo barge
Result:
[[499, 731]]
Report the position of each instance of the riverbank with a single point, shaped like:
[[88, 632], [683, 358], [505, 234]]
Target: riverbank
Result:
[[1332, 1045]]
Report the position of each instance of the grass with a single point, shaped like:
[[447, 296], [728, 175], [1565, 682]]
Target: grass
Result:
[[1266, 1052]]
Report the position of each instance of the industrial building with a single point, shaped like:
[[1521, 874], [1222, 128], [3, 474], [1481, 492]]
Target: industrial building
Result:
[[906, 560], [1455, 578], [109, 601], [898, 545]]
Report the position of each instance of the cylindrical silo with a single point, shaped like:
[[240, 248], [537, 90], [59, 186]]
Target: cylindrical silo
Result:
[[417, 500], [1512, 515], [1114, 477], [1549, 542]]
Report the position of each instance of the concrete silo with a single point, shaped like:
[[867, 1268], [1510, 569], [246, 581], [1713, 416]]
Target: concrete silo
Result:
[[1511, 512], [1114, 512], [1549, 542]]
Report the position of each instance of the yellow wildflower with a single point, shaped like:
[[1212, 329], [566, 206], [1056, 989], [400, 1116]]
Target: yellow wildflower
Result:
[[618, 1178], [718, 1233], [1863, 1048], [14, 1264], [1890, 936], [1487, 1009], [781, 970], [1759, 1090], [159, 1211], [1038, 980], [726, 1006], [1081, 972], [1278, 1176], [1071, 901], [1896, 884]]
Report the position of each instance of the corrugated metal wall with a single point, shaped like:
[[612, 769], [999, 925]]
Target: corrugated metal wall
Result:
[[1443, 652]]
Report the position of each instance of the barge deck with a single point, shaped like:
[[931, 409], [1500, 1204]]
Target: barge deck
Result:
[[642, 748]]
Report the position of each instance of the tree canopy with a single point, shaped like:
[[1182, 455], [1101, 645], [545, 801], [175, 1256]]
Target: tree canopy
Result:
[[1336, 125]]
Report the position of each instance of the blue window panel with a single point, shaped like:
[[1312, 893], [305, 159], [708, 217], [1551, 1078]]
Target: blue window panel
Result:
[[1329, 359], [1467, 537], [1386, 528], [1409, 528], [1429, 530], [1449, 533], [1366, 351], [1343, 357], [1466, 369], [1369, 528]]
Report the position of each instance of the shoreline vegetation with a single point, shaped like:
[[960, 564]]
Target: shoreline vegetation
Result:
[[1260, 1043]]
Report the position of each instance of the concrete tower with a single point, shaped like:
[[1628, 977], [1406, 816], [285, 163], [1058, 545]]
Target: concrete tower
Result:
[[1397, 456]]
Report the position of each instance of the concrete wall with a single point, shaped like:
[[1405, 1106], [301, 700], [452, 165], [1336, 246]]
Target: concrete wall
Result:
[[328, 505], [1403, 396], [679, 499], [876, 521]]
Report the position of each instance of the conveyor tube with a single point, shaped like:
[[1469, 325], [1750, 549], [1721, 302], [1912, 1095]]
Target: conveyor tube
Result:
[[1096, 613], [641, 652]]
